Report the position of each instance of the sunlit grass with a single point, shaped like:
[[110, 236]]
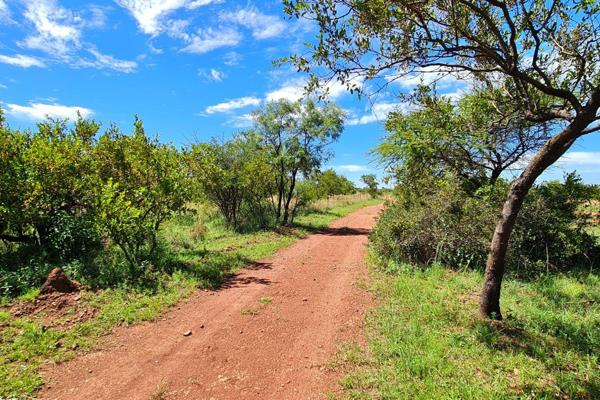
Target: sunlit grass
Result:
[[426, 340]]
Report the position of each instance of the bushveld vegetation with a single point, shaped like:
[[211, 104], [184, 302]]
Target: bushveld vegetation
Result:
[[535, 63], [94, 202], [458, 218]]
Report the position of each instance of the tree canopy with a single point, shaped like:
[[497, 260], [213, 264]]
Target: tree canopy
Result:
[[469, 137], [296, 137], [544, 54]]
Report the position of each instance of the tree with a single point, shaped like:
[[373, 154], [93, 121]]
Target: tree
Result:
[[44, 174], [475, 138], [232, 174], [330, 183], [371, 181], [140, 182], [547, 51], [295, 135]]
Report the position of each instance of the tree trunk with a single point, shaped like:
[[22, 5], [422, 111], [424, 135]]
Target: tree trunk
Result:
[[553, 149], [288, 200], [496, 172]]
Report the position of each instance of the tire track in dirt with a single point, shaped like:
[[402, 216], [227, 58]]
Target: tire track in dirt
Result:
[[240, 348]]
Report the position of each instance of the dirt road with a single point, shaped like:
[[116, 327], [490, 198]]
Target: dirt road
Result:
[[269, 333]]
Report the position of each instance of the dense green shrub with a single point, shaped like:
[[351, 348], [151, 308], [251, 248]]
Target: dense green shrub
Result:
[[70, 198], [442, 222], [551, 233], [444, 225], [141, 183]]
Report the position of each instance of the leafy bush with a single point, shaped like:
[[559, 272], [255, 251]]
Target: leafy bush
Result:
[[443, 223], [550, 233], [67, 198], [235, 177]]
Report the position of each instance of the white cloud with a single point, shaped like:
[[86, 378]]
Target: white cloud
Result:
[[241, 121], [573, 158], [212, 75], [216, 74], [150, 14], [3, 86], [351, 168], [233, 105], [4, 13], [105, 61], [210, 39], [39, 111], [443, 78], [379, 112], [199, 3], [262, 26], [58, 30], [97, 17], [21, 60], [293, 90], [232, 58]]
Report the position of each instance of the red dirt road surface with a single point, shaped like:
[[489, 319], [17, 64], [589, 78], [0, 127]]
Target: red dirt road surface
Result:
[[240, 347]]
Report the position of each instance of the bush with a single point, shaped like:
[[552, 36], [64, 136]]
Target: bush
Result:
[[235, 177], [67, 197], [550, 233], [443, 223]]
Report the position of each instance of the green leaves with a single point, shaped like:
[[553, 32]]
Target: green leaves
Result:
[[62, 188]]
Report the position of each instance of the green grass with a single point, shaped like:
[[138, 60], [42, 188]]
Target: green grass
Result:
[[427, 342], [204, 254]]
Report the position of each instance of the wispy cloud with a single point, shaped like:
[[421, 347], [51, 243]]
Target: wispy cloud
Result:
[[57, 30], [209, 39], [212, 75], [234, 104], [151, 16], [241, 121], [378, 112], [4, 12], [261, 25], [232, 58], [443, 78], [294, 90], [580, 158], [102, 61], [22, 61], [39, 111]]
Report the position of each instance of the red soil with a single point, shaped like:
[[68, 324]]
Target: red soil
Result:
[[226, 344]]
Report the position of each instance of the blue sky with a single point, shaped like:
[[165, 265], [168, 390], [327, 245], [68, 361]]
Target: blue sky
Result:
[[191, 69]]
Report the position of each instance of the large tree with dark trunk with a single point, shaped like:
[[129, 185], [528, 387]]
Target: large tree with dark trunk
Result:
[[548, 50]]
